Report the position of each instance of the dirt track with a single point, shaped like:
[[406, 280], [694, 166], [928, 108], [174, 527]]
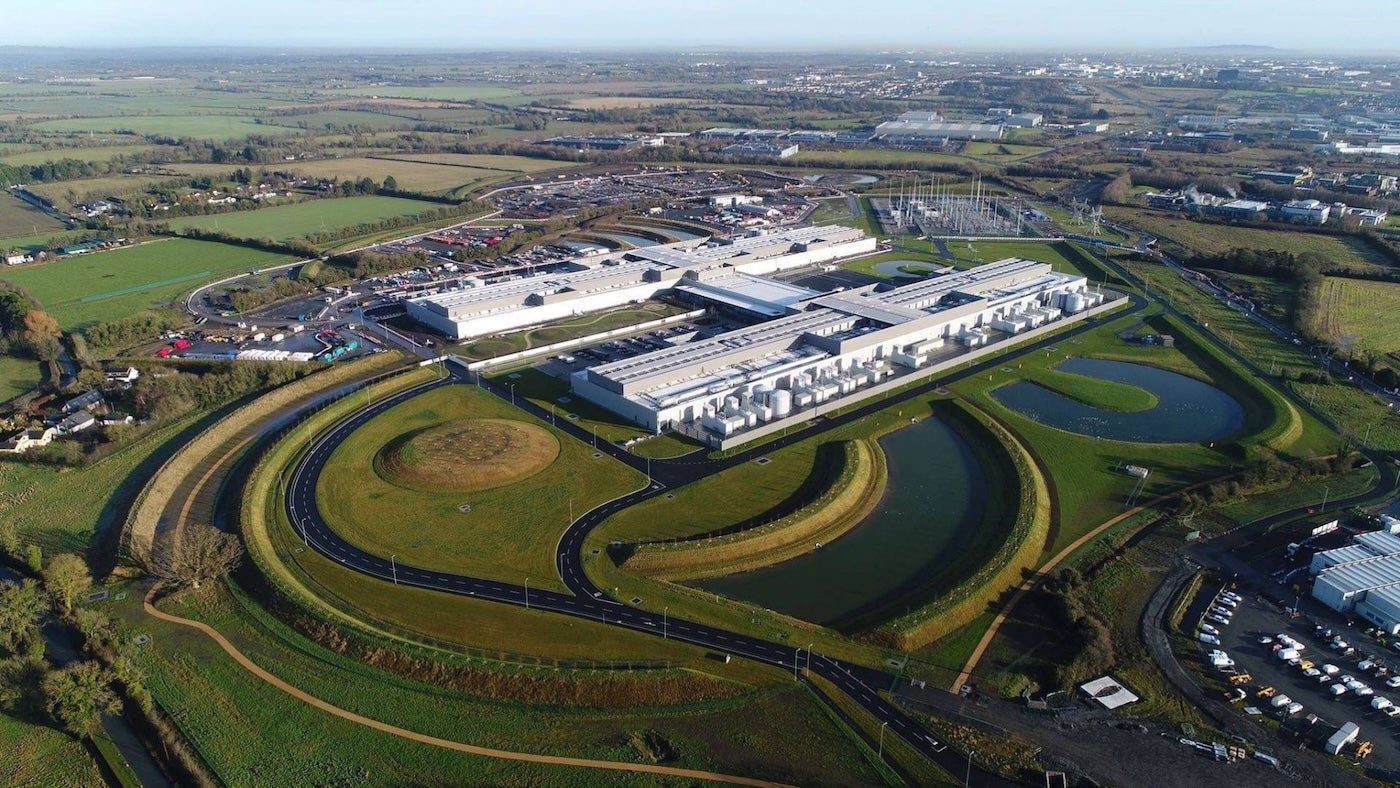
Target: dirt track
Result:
[[487, 752]]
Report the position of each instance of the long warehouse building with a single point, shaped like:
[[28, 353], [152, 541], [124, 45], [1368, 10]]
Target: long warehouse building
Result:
[[603, 282], [1363, 577], [830, 346]]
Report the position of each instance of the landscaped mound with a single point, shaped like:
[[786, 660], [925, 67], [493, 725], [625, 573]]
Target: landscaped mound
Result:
[[466, 455]]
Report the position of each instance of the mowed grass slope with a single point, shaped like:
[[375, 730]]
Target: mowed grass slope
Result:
[[18, 219], [101, 286], [286, 222], [510, 531], [17, 376], [1360, 310], [1219, 238]]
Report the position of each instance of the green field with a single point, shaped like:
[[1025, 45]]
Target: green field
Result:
[[283, 223], [101, 286], [19, 219], [509, 532], [489, 161], [777, 734], [17, 376], [40, 755], [106, 153], [414, 176], [443, 93], [1219, 238], [1358, 310], [199, 126]]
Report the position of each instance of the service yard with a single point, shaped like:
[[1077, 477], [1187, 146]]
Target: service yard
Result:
[[1255, 619]]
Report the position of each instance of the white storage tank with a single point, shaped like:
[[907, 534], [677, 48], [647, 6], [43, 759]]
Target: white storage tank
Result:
[[761, 393], [782, 403]]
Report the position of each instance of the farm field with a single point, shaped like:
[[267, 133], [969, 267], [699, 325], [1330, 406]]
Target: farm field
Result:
[[428, 178], [295, 221], [1218, 238], [507, 533], [1355, 308], [436, 93], [19, 219], [490, 161], [17, 376], [320, 121], [624, 102], [101, 286], [201, 126], [106, 153], [66, 194]]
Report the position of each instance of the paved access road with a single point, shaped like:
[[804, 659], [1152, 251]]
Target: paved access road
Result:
[[586, 600]]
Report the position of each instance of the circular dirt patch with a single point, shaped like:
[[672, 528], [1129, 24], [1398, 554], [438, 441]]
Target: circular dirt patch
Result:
[[466, 455]]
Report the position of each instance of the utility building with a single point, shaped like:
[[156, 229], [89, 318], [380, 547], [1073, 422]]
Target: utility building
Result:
[[829, 347]]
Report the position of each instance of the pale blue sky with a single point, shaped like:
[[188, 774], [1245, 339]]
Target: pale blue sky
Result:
[[1348, 25]]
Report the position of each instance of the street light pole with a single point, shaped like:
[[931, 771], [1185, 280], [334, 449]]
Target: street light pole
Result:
[[1326, 490], [881, 753], [512, 395], [394, 567], [809, 657], [967, 778]]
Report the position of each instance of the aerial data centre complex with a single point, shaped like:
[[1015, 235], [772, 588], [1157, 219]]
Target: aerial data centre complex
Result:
[[806, 349]]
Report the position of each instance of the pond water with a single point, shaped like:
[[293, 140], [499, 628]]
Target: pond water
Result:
[[679, 235], [635, 240], [891, 267], [933, 501], [1188, 411]]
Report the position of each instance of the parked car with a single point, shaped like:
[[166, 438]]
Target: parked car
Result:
[[1393, 682], [1209, 640], [1223, 621], [1337, 690], [1265, 640], [1294, 708], [1210, 630], [1363, 691], [1381, 703], [1331, 669], [1391, 711], [1311, 673], [1365, 664], [1279, 701]]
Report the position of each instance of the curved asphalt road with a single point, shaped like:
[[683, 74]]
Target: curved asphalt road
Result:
[[587, 600]]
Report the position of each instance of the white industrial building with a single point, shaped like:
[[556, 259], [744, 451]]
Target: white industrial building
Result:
[[606, 281], [1363, 576], [828, 347], [1305, 212]]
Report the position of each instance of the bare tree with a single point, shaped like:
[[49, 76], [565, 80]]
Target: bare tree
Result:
[[200, 554]]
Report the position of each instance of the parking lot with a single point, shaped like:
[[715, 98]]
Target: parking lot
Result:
[[1255, 620]]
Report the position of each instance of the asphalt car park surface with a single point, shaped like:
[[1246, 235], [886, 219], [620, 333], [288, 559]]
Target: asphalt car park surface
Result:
[[1254, 618]]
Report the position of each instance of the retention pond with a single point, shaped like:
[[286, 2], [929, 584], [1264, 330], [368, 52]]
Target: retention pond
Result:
[[1187, 411], [933, 506]]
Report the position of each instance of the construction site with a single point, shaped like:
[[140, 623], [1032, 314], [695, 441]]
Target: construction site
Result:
[[934, 209]]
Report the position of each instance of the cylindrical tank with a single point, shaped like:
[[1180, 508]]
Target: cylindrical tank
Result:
[[782, 403], [761, 392]]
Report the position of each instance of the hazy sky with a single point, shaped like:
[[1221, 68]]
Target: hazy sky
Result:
[[1348, 25]]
